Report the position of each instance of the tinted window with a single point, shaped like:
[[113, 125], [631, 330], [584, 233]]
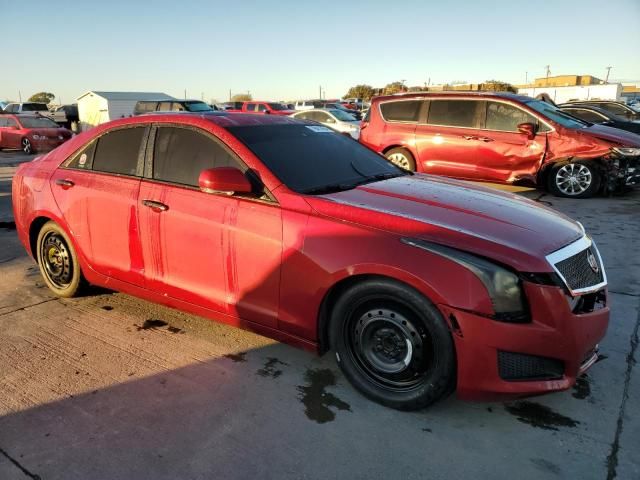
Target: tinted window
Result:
[[251, 107], [456, 113], [84, 158], [407, 111], [262, 107], [145, 107], [117, 151], [195, 106], [3, 122], [11, 122], [322, 117], [180, 154], [615, 108], [586, 115], [37, 122], [553, 113], [501, 116], [307, 157], [34, 107]]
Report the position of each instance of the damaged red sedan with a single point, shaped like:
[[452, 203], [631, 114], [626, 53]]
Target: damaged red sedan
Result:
[[31, 133], [420, 285]]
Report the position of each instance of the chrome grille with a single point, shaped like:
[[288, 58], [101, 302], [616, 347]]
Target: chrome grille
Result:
[[580, 266]]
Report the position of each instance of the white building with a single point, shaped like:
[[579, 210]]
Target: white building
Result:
[[96, 107], [608, 91]]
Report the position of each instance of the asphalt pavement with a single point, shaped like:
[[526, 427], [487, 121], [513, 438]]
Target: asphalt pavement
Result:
[[110, 387]]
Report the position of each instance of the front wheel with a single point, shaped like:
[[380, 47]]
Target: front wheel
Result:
[[27, 148], [574, 180], [393, 344], [401, 158], [58, 261]]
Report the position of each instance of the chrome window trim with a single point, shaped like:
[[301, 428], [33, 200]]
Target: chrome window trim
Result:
[[570, 250]]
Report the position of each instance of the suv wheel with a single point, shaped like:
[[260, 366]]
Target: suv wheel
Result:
[[393, 344], [402, 158], [574, 180]]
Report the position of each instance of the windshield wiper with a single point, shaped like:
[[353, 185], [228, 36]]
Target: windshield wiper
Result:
[[332, 188]]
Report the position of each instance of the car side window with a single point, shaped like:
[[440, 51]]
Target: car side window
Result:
[[405, 111], [251, 107], [586, 115], [180, 154], [177, 107], [616, 109], [322, 117], [11, 122], [456, 113], [262, 107], [83, 160], [3, 122], [117, 151], [505, 117]]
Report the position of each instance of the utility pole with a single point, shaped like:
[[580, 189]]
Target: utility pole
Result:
[[547, 67], [320, 91], [229, 94], [185, 93], [20, 96], [526, 78], [606, 80]]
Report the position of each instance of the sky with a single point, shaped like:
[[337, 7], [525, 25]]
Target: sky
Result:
[[285, 50]]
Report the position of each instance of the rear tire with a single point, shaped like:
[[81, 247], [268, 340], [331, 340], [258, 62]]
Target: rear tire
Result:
[[574, 179], [393, 344], [27, 147], [58, 261], [402, 158]]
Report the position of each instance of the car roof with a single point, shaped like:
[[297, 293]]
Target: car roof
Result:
[[221, 118], [455, 94]]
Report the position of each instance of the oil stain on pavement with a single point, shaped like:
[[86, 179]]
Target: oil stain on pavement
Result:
[[154, 324], [582, 388], [270, 368], [315, 397], [539, 416]]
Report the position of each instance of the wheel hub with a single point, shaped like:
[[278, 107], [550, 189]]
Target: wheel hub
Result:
[[573, 179], [56, 260]]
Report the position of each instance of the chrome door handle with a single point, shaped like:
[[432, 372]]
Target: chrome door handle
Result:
[[469, 137], [65, 184], [155, 206], [485, 139]]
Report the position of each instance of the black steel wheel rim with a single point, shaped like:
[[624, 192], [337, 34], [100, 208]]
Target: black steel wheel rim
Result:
[[389, 345], [56, 260]]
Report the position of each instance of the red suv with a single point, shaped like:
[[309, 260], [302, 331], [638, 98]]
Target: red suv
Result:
[[502, 138], [420, 284]]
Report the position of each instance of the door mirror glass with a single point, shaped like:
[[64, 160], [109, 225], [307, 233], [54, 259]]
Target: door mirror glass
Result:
[[225, 180], [528, 129]]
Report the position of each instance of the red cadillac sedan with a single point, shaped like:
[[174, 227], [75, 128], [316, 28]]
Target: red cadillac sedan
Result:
[[420, 285], [31, 133]]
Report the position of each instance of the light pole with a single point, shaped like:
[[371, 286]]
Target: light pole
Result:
[[606, 80]]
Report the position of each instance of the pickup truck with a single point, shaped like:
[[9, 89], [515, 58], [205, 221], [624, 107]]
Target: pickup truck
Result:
[[36, 108], [269, 108]]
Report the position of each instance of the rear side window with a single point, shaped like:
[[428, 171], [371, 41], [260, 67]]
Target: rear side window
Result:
[[456, 113], [117, 151], [251, 107], [180, 154], [615, 109], [586, 115], [145, 107], [83, 160], [506, 118], [406, 111]]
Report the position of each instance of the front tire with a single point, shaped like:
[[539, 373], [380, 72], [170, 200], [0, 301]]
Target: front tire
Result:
[[393, 344], [401, 158], [58, 261], [574, 180], [27, 147]]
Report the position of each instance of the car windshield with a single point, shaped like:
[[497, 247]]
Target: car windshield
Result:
[[342, 115], [555, 114], [277, 106], [197, 107], [34, 107], [313, 159], [37, 122]]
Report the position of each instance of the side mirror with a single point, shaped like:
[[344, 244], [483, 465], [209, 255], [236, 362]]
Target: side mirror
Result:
[[225, 180], [267, 112], [528, 129]]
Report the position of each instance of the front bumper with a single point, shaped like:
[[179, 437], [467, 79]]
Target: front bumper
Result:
[[555, 333]]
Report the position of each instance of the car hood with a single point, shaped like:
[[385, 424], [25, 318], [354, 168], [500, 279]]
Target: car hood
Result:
[[612, 134], [503, 226]]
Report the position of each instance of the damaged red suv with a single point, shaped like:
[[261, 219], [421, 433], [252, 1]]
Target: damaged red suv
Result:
[[502, 138], [421, 285]]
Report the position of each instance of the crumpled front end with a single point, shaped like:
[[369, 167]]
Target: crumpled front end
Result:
[[621, 171]]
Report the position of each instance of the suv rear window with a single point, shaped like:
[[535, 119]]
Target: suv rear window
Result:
[[404, 111], [34, 107], [456, 113]]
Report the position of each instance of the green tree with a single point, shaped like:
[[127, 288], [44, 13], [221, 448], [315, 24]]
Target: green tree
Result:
[[42, 97], [242, 97], [394, 87], [364, 92], [498, 86]]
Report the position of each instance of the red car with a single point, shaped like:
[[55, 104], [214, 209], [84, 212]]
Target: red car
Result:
[[502, 138], [264, 108], [421, 285], [31, 133]]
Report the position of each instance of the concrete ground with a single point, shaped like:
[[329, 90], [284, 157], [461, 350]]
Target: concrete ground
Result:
[[111, 387]]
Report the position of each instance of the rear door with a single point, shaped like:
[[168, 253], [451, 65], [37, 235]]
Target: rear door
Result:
[[447, 138], [503, 153], [213, 250], [97, 192]]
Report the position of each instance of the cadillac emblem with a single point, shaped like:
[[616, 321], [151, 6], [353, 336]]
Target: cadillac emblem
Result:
[[593, 263]]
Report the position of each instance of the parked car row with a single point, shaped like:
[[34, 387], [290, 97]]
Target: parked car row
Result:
[[502, 138]]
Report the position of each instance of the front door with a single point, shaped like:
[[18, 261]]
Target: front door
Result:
[[97, 192], [217, 251]]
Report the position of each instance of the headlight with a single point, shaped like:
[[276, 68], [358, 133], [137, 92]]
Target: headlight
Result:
[[627, 151], [504, 286]]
